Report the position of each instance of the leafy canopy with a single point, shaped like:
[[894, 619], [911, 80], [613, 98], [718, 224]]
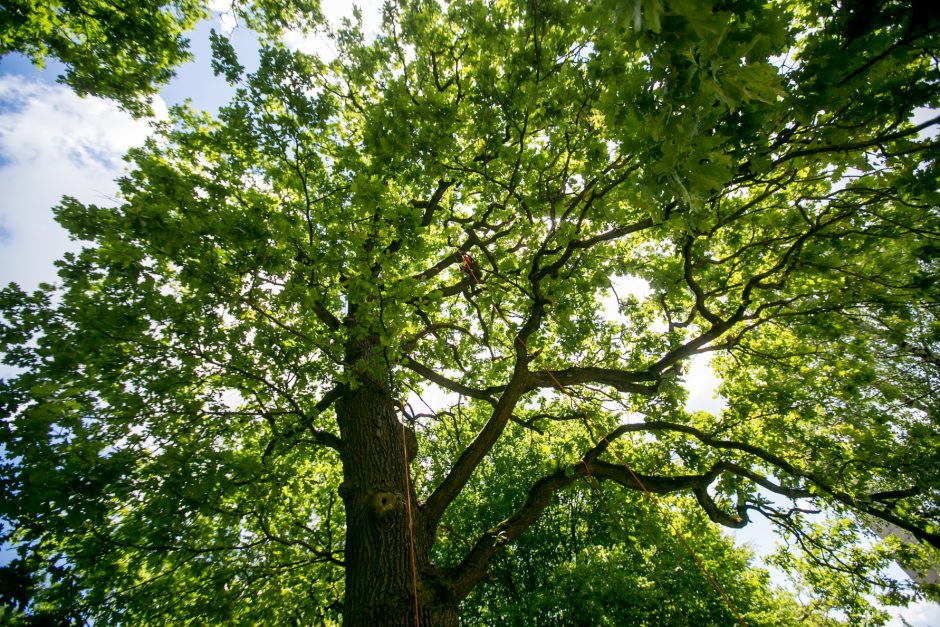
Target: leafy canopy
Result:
[[443, 213]]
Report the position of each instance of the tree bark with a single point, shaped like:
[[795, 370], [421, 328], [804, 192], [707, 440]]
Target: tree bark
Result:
[[380, 581]]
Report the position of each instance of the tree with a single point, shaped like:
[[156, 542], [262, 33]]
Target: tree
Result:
[[324, 327]]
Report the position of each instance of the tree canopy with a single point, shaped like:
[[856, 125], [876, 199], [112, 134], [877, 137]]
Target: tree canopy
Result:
[[346, 350]]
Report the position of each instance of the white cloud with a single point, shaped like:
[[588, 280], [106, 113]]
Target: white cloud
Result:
[[53, 143], [917, 614], [310, 43], [702, 384], [227, 22], [700, 378], [334, 12], [622, 287], [225, 14]]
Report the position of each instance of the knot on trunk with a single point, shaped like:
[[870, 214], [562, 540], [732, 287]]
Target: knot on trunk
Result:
[[383, 502]]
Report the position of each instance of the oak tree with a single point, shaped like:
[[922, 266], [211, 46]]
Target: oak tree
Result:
[[344, 344]]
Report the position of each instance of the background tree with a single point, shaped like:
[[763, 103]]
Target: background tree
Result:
[[608, 557], [219, 409]]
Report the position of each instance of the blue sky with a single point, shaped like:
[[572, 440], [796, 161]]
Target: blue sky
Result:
[[53, 143]]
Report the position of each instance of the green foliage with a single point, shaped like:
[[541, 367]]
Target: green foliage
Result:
[[122, 50], [128, 49], [609, 558], [442, 214]]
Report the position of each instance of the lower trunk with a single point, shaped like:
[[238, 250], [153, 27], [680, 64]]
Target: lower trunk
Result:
[[380, 579]]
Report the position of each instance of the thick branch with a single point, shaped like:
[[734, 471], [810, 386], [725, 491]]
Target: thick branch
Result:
[[623, 381], [700, 304], [432, 205], [576, 245], [326, 317], [460, 473], [433, 328], [471, 457], [457, 288], [449, 384], [466, 575], [473, 567], [692, 346]]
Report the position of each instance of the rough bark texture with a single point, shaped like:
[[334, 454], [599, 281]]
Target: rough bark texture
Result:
[[379, 581]]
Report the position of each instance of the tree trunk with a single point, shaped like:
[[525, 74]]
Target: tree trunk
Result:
[[379, 578]]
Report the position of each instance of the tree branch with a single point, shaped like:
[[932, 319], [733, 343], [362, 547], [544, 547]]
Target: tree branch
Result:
[[460, 473], [862, 504], [859, 145], [471, 457], [319, 436], [473, 567], [623, 381], [449, 384], [326, 317], [432, 205]]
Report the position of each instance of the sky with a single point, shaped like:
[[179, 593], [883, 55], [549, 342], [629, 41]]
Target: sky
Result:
[[55, 144]]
